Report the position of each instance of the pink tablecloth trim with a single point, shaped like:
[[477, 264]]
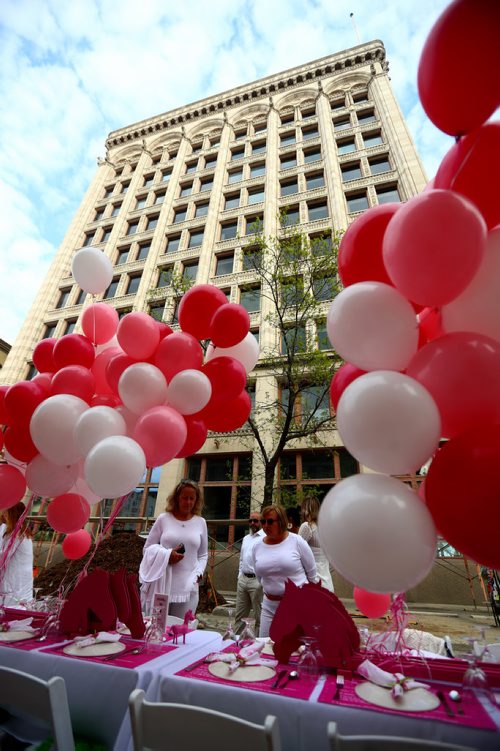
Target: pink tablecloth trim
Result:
[[127, 661], [29, 644], [475, 714]]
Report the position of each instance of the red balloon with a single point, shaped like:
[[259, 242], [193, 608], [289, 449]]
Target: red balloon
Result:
[[429, 324], [44, 380], [371, 604], [5, 418], [43, 356], [164, 329], [12, 486], [76, 380], [115, 367], [360, 251], [346, 374], [464, 25], [232, 416], [471, 168], [99, 369], [19, 444], [197, 309], [68, 513], [461, 371], [22, 399], [76, 544], [73, 349], [467, 514], [138, 335], [196, 437], [179, 351], [227, 376], [230, 325]]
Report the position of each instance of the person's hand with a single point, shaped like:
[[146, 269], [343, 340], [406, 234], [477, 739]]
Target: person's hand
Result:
[[175, 557]]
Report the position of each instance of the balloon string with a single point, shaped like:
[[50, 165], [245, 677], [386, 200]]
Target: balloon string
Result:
[[119, 505], [466, 159]]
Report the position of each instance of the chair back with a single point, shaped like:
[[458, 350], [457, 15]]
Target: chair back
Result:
[[156, 725], [25, 696], [385, 743]]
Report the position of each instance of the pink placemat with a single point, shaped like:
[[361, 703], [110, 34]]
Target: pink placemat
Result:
[[29, 644], [129, 660], [475, 714]]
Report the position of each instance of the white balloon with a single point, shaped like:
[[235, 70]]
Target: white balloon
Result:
[[114, 466], [478, 307], [52, 427], [142, 386], [189, 391], [49, 480], [95, 424], [92, 270], [372, 326], [389, 422], [377, 533], [246, 351]]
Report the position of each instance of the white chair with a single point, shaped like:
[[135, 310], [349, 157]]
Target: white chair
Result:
[[157, 726], [27, 700], [385, 742]]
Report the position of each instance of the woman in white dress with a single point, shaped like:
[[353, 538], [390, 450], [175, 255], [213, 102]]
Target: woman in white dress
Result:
[[308, 530], [16, 571], [176, 552]]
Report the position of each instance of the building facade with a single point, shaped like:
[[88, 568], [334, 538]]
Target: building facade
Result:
[[180, 192]]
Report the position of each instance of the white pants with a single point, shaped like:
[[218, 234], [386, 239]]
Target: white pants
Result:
[[179, 609], [248, 598], [269, 608]]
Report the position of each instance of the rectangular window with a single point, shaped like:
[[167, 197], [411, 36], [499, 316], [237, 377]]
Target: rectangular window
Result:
[[143, 251], [98, 215], [308, 113], [294, 340], [141, 202], [337, 104], [315, 180], [342, 123], [81, 297], [287, 138], [224, 265], [311, 155], [132, 228], [256, 195], [260, 127], [125, 187], [235, 176], [201, 209], [106, 234], [70, 326], [250, 299], [292, 291], [290, 160], [215, 141], [379, 165], [207, 183], [228, 231], [87, 240], [253, 223], [111, 291], [196, 147], [191, 167], [311, 132], [116, 208], [356, 202], [290, 215], [324, 288], [186, 189], [50, 330], [152, 222], [351, 172], [252, 258], [240, 134], [315, 403], [372, 139], [321, 245], [210, 161], [108, 191], [386, 194], [347, 146], [289, 186], [237, 154], [63, 297], [122, 256], [164, 277], [133, 284], [159, 197], [322, 336], [257, 169], [287, 118], [195, 238], [259, 147], [148, 180], [231, 201], [173, 242], [367, 116], [190, 271], [156, 311], [360, 97], [166, 175], [180, 214]]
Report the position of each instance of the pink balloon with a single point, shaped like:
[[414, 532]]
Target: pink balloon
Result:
[[76, 544], [161, 432], [68, 513], [461, 371], [99, 369], [433, 246], [230, 325], [196, 437], [178, 351], [47, 479], [76, 380], [429, 325], [197, 309], [138, 335], [371, 604], [44, 380], [99, 322], [43, 355], [345, 375], [12, 486]]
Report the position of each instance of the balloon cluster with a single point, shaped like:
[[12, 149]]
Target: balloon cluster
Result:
[[124, 395], [418, 324]]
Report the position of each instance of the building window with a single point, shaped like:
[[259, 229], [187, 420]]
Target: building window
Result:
[[87, 240], [125, 187], [346, 146], [240, 134], [63, 297], [356, 202], [287, 118], [50, 330], [260, 127], [191, 167], [322, 336], [141, 202], [360, 97], [186, 189], [159, 197], [173, 242], [214, 142], [250, 299], [311, 132], [351, 172], [201, 209], [166, 175], [388, 194], [106, 234], [111, 291], [98, 215], [210, 161], [195, 238], [292, 291], [321, 245], [367, 116], [287, 138], [108, 191], [259, 147], [287, 187], [148, 180], [152, 222], [197, 147], [190, 271], [81, 297], [379, 165], [207, 183], [324, 288], [256, 195], [293, 340], [164, 277], [122, 256], [290, 216], [133, 284], [372, 139], [337, 104], [234, 176], [257, 169], [228, 230], [116, 209], [231, 201], [308, 113], [252, 258], [237, 154], [342, 123], [132, 228], [224, 265], [290, 160], [70, 326], [156, 310], [315, 180], [144, 249], [312, 155], [123, 312], [253, 223], [180, 215]]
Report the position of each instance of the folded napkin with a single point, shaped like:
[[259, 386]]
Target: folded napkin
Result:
[[101, 636], [22, 625], [397, 682], [246, 657]]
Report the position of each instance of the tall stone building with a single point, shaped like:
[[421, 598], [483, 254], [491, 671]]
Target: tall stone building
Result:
[[180, 192]]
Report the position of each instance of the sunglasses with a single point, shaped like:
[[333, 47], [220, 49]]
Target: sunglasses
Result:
[[268, 521], [254, 521]]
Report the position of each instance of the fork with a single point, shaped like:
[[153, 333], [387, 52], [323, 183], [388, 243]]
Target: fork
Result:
[[134, 651], [340, 684]]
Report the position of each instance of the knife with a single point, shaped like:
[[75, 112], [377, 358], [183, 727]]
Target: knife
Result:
[[340, 683], [445, 704], [278, 678], [194, 665]]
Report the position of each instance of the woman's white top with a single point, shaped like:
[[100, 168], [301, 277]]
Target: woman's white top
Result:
[[309, 532], [169, 532], [290, 559], [16, 576]]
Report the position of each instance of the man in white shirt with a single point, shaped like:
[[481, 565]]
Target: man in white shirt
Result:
[[249, 590]]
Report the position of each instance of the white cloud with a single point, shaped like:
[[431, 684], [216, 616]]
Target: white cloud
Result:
[[72, 72]]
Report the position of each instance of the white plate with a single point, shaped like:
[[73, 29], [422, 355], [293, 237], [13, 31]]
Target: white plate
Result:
[[248, 674], [416, 700], [95, 650], [16, 635]]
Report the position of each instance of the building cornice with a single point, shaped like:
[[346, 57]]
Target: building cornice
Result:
[[346, 60]]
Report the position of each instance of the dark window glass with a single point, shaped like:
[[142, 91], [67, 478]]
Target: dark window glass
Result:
[[351, 172], [239, 134], [148, 180], [98, 215], [388, 195], [289, 186], [321, 245], [290, 160], [357, 202], [324, 288], [379, 165], [294, 340], [365, 117], [186, 189], [207, 184], [307, 114], [309, 133], [323, 341], [288, 118], [288, 466], [250, 299], [259, 147], [372, 139], [70, 326], [63, 298], [237, 154], [50, 329], [257, 169], [251, 259], [235, 176], [253, 224], [342, 124], [228, 231], [133, 284], [190, 271], [348, 464], [318, 465], [122, 256], [191, 167], [173, 242], [256, 195], [292, 216], [106, 234], [232, 201], [359, 98], [165, 277], [201, 209], [224, 265], [152, 222], [346, 147], [111, 291], [81, 297], [132, 228], [180, 215], [260, 127], [143, 251], [287, 138], [337, 104], [156, 311], [195, 238], [159, 198], [210, 161], [125, 187], [315, 181], [116, 209], [312, 155], [141, 202], [87, 240], [166, 175]]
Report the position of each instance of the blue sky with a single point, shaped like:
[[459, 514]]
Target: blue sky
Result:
[[70, 72]]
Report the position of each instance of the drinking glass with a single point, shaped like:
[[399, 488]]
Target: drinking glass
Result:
[[229, 632], [475, 681], [247, 636], [154, 632], [307, 666], [3, 595]]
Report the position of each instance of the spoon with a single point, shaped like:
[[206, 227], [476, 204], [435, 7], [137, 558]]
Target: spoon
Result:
[[455, 696], [292, 675]]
